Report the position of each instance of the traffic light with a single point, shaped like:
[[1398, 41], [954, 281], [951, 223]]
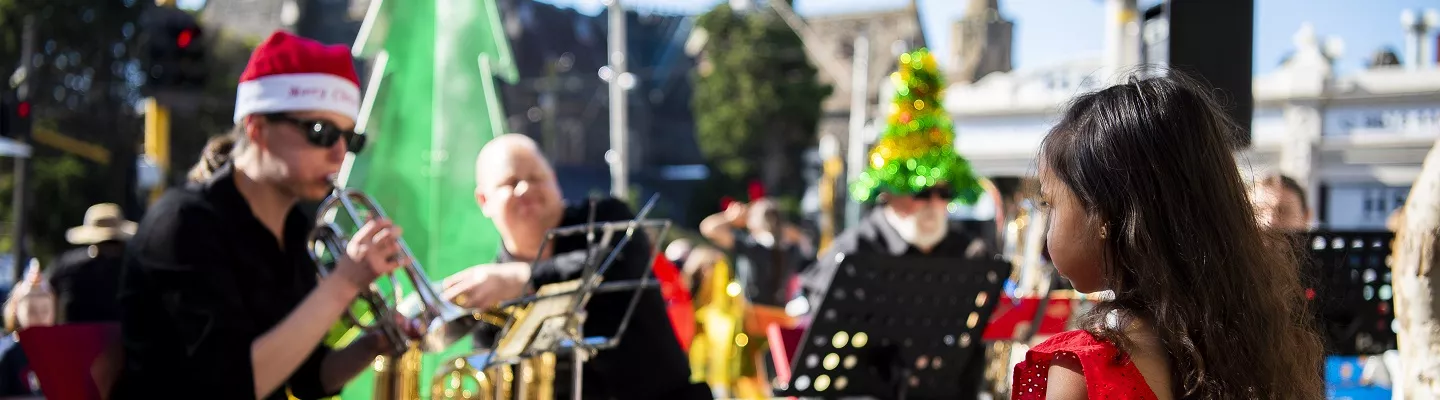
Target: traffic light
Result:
[[14, 117], [175, 50]]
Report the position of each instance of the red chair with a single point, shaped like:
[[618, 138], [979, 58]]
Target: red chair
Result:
[[1011, 319], [74, 361]]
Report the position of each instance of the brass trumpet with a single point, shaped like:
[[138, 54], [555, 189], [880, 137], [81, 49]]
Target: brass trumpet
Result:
[[441, 323]]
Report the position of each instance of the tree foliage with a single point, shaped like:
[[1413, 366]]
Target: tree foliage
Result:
[[57, 203], [757, 101], [85, 83]]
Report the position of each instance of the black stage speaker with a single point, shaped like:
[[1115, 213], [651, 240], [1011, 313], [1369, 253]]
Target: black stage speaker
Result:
[[1212, 40]]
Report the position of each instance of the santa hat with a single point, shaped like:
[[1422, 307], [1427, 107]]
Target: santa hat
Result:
[[291, 73]]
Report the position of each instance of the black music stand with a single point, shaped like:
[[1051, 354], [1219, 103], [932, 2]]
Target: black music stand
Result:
[[560, 329], [897, 328], [1348, 275]]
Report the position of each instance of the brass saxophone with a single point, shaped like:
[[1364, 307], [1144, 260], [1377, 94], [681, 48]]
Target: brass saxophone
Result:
[[398, 377], [717, 352]]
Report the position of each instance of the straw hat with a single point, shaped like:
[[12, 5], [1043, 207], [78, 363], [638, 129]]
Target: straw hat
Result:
[[103, 222]]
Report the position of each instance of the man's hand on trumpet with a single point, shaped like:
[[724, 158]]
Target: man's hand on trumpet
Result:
[[486, 285], [373, 251]]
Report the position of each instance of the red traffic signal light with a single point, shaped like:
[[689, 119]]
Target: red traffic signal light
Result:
[[185, 37], [14, 116]]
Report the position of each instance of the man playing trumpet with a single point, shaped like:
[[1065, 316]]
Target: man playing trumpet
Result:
[[219, 295], [516, 188]]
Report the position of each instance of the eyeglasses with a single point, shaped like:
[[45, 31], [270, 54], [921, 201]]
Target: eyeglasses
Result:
[[322, 133], [944, 193]]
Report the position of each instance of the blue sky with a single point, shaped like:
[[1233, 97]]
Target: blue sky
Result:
[[1053, 31]]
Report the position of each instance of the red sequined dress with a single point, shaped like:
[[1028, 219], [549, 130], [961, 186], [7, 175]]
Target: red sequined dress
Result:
[[1108, 374]]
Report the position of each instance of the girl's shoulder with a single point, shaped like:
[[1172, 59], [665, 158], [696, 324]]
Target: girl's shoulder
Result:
[[1109, 374]]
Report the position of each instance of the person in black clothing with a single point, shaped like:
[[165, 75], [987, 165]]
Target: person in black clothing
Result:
[[904, 225], [86, 278], [219, 297], [768, 252], [516, 188]]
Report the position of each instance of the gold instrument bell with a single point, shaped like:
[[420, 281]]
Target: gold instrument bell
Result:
[[531, 378]]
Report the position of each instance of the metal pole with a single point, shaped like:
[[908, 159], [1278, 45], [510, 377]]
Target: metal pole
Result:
[[859, 99], [619, 155], [831, 170], [157, 143], [1122, 44], [22, 164]]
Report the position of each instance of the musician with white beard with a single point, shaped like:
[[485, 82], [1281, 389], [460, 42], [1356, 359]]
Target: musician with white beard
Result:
[[902, 225], [915, 225]]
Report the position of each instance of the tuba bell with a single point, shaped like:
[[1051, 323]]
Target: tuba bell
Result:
[[397, 374], [532, 378]]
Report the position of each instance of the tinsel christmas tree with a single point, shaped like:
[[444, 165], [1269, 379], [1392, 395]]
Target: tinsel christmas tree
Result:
[[916, 150]]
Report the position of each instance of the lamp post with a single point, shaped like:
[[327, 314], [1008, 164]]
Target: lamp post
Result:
[[859, 99], [619, 154]]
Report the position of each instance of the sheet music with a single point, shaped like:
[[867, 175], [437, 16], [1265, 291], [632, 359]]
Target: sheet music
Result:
[[552, 304]]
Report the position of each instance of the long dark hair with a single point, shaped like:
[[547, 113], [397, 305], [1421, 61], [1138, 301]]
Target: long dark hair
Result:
[[1152, 161]]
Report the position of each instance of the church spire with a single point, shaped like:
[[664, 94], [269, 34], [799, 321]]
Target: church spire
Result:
[[982, 42]]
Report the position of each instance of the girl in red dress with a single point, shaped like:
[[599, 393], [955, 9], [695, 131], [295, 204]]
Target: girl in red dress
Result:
[[1146, 201]]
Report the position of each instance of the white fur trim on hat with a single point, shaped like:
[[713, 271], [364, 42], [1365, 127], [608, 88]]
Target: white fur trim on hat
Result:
[[297, 92]]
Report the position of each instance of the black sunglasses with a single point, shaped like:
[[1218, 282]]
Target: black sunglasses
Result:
[[322, 133], [944, 193]]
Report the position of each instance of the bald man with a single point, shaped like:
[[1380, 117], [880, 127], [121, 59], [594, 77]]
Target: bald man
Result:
[[516, 188]]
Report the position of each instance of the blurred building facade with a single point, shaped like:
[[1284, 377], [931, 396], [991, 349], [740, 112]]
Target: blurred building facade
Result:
[[1356, 141], [562, 103], [831, 41]]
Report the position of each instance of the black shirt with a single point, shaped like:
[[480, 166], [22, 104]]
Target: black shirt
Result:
[[648, 363], [85, 282], [767, 271], [202, 279]]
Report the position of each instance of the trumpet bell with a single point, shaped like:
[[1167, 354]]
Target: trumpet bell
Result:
[[451, 325]]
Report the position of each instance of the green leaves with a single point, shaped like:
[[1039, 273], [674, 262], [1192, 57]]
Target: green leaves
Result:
[[756, 96], [57, 203]]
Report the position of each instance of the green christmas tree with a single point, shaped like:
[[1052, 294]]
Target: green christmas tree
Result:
[[432, 103], [916, 150]]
